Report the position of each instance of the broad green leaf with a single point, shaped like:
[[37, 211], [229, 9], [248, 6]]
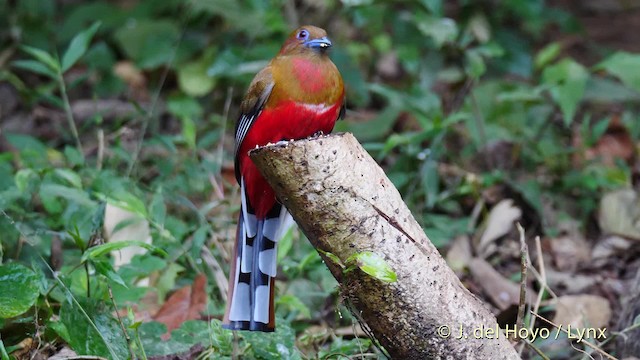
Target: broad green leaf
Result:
[[18, 289], [567, 80], [625, 67], [23, 177], [167, 280], [184, 106], [70, 176], [35, 67], [74, 157], [189, 132], [104, 268], [374, 265], [74, 195], [103, 249], [475, 65], [294, 303], [441, 30], [60, 329], [199, 238], [193, 79], [277, 345], [42, 56], [127, 201], [547, 55], [146, 41], [157, 208], [78, 46], [92, 330]]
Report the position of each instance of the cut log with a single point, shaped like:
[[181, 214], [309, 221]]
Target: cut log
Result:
[[345, 204]]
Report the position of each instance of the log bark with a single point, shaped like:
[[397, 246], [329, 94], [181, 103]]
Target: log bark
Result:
[[345, 204]]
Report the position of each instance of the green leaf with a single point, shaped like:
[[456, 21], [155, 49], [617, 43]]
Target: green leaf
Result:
[[193, 79], [441, 30], [92, 330], [294, 303], [23, 177], [35, 67], [104, 268], [73, 155], [189, 132], [184, 106], [127, 201], [277, 345], [157, 208], [199, 238], [475, 65], [374, 265], [3, 351], [625, 67], [42, 56], [167, 280], [103, 249], [78, 46], [73, 195], [77, 238], [18, 289], [547, 55], [331, 257], [146, 41], [568, 81], [70, 176]]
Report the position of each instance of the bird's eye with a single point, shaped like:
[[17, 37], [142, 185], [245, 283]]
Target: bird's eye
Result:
[[303, 34]]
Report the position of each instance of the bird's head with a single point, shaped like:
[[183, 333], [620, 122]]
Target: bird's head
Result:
[[307, 39]]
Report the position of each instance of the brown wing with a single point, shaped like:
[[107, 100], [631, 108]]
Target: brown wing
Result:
[[252, 104]]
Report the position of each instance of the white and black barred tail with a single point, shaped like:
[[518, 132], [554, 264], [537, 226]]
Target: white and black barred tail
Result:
[[250, 304]]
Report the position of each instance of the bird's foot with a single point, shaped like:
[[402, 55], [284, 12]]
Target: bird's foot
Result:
[[317, 134]]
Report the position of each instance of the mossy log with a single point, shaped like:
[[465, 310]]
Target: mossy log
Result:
[[345, 204]]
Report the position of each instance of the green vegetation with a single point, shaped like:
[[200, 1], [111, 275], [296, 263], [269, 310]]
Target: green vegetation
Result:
[[131, 105]]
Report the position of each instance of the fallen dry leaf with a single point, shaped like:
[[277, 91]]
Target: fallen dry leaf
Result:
[[459, 253], [502, 291], [582, 311], [184, 304], [569, 251], [64, 354], [499, 223], [610, 246], [619, 213], [569, 283], [134, 78], [615, 143]]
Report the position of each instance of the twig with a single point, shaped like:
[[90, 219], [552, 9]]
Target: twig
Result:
[[543, 281], [67, 111], [124, 330], [163, 78], [523, 277], [100, 149], [536, 349], [592, 346], [216, 269]]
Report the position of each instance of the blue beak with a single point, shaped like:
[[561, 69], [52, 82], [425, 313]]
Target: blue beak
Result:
[[319, 44]]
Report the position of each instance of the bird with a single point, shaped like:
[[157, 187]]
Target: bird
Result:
[[300, 93]]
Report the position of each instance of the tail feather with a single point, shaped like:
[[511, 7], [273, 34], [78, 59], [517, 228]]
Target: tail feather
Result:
[[251, 302]]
